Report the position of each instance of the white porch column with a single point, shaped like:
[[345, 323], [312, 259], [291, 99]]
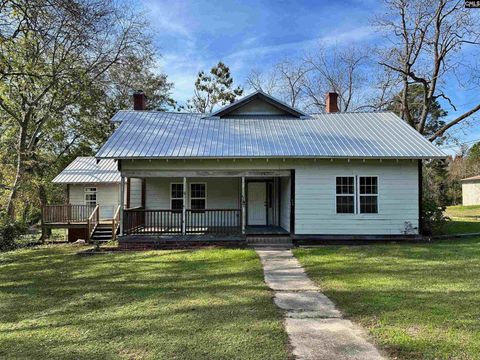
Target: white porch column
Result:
[[244, 220], [122, 202], [184, 207]]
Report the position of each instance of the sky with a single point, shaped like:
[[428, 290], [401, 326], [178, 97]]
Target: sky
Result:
[[195, 35]]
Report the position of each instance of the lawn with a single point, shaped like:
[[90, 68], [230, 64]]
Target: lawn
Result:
[[464, 219], [205, 304], [418, 301]]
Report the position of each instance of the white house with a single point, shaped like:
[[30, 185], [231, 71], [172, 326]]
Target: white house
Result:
[[259, 166], [471, 191]]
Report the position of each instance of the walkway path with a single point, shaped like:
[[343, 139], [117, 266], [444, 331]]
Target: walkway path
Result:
[[315, 327]]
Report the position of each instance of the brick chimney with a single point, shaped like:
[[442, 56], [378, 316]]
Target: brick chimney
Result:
[[139, 100], [332, 102]]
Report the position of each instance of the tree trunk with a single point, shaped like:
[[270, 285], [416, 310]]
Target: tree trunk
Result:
[[42, 195]]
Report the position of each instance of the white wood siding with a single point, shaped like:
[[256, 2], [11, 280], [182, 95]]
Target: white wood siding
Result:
[[135, 192], [222, 193], [315, 211], [471, 193], [107, 197]]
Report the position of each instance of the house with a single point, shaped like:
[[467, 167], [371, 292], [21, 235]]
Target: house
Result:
[[471, 191], [261, 167]]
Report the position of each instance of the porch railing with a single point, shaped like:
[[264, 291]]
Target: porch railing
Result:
[[66, 214], [209, 221], [93, 221]]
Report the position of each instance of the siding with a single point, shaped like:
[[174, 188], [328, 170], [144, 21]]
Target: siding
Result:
[[135, 192], [471, 193], [222, 193], [315, 211], [107, 197], [285, 203]]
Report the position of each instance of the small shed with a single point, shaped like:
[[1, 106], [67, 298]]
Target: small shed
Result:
[[471, 191]]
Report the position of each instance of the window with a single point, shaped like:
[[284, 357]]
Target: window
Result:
[[176, 196], [368, 194], [345, 194], [91, 196], [198, 196]]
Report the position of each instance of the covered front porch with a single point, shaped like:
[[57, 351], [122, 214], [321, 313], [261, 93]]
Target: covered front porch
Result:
[[207, 205]]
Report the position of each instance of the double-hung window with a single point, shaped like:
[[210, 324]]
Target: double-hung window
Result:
[[91, 196], [345, 195], [357, 194], [198, 196], [176, 196], [368, 194]]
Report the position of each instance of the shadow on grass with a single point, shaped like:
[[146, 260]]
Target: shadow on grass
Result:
[[184, 304]]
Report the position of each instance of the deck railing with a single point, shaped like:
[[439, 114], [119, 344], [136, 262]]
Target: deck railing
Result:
[[93, 221], [66, 214], [209, 221], [115, 222]]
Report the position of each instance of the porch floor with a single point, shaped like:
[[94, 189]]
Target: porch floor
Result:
[[265, 230]]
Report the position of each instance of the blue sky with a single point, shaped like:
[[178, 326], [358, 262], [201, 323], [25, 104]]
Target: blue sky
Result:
[[195, 35]]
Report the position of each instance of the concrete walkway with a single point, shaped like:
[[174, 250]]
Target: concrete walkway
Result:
[[315, 327]]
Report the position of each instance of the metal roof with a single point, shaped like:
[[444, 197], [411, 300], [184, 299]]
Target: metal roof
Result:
[[473, 178], [150, 134], [85, 170]]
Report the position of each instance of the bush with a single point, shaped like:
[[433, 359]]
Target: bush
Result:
[[433, 216], [9, 232]]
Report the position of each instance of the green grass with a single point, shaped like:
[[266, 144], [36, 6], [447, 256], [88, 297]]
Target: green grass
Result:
[[464, 220], [205, 304], [463, 211], [418, 301]]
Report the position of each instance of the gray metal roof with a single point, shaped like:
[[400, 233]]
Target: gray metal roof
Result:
[[85, 170], [150, 134]]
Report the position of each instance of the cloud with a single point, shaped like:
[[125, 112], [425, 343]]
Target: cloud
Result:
[[358, 34]]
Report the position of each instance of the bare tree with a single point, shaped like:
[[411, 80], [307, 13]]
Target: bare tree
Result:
[[338, 70], [259, 81], [291, 76], [427, 38]]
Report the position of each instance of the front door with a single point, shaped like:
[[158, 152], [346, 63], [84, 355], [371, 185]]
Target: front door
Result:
[[257, 203]]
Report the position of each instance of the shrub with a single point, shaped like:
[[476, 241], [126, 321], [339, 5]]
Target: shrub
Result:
[[433, 216], [9, 232]]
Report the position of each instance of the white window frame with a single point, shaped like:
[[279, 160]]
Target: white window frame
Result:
[[175, 198], [352, 195], [90, 190], [190, 198], [359, 194]]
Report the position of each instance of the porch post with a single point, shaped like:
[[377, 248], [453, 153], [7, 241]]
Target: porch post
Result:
[[122, 199], [243, 206], [184, 208]]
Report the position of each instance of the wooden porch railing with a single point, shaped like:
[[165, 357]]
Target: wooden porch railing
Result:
[[115, 222], [66, 214], [209, 221], [93, 221], [213, 221]]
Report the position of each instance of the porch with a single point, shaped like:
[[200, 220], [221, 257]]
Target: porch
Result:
[[207, 205]]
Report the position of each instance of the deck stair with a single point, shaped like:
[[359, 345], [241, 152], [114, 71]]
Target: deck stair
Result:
[[273, 241], [102, 233]]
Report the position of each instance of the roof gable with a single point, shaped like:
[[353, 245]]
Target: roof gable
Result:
[[258, 103]]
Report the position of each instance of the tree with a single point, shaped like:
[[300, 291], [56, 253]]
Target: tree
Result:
[[213, 89], [435, 114], [340, 70], [427, 38], [53, 57]]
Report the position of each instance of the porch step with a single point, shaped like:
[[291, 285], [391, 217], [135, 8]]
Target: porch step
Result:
[[270, 241], [102, 233]]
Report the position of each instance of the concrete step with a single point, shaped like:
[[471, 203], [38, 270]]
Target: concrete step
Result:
[[271, 240]]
